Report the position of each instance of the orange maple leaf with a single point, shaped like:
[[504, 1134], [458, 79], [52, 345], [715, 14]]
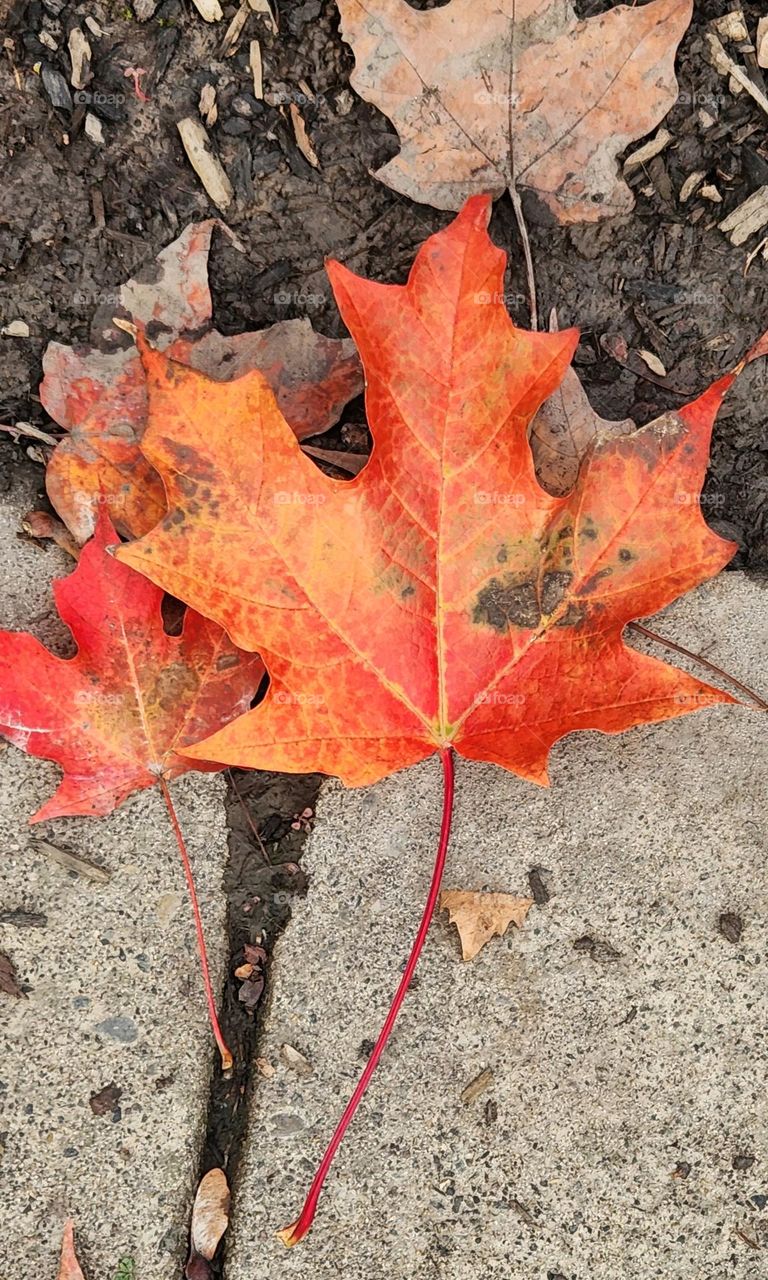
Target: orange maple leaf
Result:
[[118, 716], [442, 597]]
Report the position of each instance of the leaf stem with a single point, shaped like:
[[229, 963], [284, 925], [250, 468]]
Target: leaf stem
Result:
[[696, 657], [226, 1056], [517, 205], [297, 1230]]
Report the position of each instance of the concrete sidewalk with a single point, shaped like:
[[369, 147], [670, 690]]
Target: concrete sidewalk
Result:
[[625, 1135], [114, 996]]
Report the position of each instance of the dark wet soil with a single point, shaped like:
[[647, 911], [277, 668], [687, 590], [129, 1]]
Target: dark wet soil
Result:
[[78, 217]]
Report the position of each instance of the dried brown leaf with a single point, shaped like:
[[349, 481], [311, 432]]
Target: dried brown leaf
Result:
[[562, 431], [490, 94], [210, 1213], [480, 916]]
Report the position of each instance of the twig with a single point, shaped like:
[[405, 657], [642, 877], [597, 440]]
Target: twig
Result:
[[514, 194], [249, 818], [696, 657]]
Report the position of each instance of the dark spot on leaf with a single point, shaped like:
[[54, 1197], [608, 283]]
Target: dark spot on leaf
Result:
[[590, 585], [589, 531], [506, 603], [188, 486], [626, 555], [407, 591], [553, 589], [502, 555]]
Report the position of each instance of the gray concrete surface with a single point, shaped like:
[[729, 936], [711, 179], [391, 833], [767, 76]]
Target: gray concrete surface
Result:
[[626, 1085], [113, 995]]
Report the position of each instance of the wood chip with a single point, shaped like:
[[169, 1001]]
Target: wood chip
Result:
[[749, 217], [645, 153], [653, 362], [302, 137], [725, 64], [94, 27], [693, 181], [80, 57], [209, 9], [477, 1086], [711, 193], [732, 26], [264, 8], [254, 57], [72, 861], [207, 105], [15, 329], [234, 31], [93, 128], [206, 165], [265, 1068], [762, 42]]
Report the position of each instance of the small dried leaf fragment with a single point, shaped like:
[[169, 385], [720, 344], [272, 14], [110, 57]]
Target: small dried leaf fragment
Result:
[[462, 82], [210, 1213], [482, 916], [9, 983], [69, 1267]]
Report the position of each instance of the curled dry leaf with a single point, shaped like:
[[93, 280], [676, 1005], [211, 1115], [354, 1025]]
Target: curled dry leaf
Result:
[[210, 1213], [69, 1267], [99, 395], [482, 916], [474, 83]]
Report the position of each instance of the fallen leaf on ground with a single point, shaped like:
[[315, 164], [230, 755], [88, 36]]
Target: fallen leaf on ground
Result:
[[118, 715], [9, 983], [461, 603], [482, 916], [563, 430], [69, 1267], [474, 85], [99, 394], [210, 1214]]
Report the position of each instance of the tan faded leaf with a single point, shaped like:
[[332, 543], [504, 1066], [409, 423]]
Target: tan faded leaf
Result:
[[481, 916], [69, 1267], [210, 1213], [475, 83], [562, 431]]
